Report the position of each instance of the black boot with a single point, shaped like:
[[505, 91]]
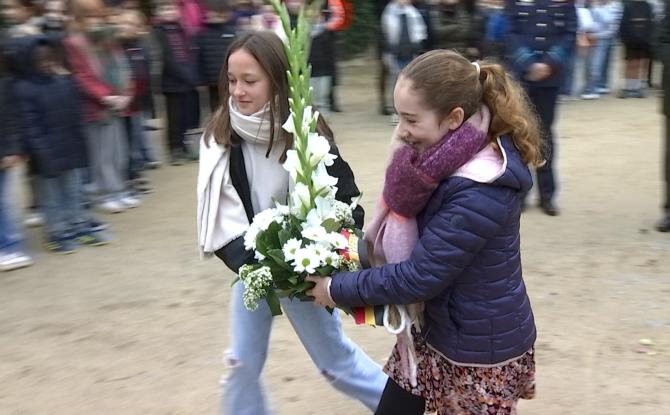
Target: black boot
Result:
[[549, 208], [664, 224]]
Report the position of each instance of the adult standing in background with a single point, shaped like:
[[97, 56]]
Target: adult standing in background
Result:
[[541, 33]]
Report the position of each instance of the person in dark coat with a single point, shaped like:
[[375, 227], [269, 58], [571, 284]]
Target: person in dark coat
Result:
[[130, 33], [179, 79], [446, 233], [12, 253], [53, 129], [213, 42], [663, 53], [460, 25], [540, 35], [636, 29]]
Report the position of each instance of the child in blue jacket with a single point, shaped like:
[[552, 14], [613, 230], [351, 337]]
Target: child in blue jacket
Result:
[[448, 236]]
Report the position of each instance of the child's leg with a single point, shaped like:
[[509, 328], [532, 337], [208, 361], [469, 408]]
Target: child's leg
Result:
[[55, 207], [114, 162], [320, 85], [645, 73], [397, 401], [341, 362], [173, 108], [8, 234]]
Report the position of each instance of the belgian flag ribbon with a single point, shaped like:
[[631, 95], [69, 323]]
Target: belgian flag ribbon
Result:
[[357, 252]]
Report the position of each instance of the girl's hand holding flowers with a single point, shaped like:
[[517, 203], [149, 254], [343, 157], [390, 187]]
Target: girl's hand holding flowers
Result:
[[321, 290]]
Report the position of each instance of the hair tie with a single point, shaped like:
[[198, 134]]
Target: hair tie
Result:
[[476, 65]]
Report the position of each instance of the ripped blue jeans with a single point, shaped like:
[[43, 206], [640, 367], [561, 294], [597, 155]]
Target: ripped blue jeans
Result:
[[343, 364]]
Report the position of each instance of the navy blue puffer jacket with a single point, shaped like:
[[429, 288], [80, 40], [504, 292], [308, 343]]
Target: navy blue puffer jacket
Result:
[[51, 116], [466, 267]]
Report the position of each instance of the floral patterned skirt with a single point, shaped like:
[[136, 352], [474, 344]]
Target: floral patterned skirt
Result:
[[466, 390]]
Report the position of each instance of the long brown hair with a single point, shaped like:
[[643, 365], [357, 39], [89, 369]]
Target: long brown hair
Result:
[[268, 50], [447, 80]]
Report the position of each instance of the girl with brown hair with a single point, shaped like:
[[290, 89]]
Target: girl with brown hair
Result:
[[240, 175], [446, 233]]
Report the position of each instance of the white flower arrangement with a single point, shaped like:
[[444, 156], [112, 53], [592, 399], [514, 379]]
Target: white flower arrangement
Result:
[[305, 237]]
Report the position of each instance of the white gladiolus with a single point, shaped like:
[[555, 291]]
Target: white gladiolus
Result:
[[322, 180], [318, 147], [288, 125], [301, 196], [292, 164]]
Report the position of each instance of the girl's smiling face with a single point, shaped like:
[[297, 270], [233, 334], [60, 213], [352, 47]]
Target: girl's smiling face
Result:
[[419, 126]]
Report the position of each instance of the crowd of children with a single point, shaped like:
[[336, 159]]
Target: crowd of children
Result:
[[84, 146], [477, 29], [116, 61]]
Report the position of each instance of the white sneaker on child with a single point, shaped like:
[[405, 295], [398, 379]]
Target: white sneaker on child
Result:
[[33, 220], [111, 206], [15, 260], [130, 202]]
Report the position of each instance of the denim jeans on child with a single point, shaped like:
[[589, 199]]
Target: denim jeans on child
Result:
[[136, 144], [591, 71], [341, 362], [10, 239], [602, 62], [62, 205]]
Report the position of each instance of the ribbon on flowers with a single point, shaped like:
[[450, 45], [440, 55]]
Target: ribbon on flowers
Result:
[[357, 252]]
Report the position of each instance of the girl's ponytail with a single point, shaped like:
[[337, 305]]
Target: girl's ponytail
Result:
[[511, 111]]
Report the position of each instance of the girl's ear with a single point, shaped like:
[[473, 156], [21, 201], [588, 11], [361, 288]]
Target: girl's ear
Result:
[[455, 118]]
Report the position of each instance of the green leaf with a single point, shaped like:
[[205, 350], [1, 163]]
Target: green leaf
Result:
[[293, 280], [303, 286], [284, 236], [273, 303], [331, 225], [326, 271]]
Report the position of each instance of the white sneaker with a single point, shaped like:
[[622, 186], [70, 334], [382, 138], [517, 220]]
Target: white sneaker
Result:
[[15, 260], [603, 90], [589, 96], [130, 202], [33, 220], [111, 206]]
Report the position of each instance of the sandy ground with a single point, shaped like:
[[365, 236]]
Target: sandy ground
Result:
[[139, 327]]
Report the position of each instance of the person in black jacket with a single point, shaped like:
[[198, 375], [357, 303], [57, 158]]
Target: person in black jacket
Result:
[[179, 79], [241, 174], [636, 31], [53, 130], [12, 255], [213, 42]]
